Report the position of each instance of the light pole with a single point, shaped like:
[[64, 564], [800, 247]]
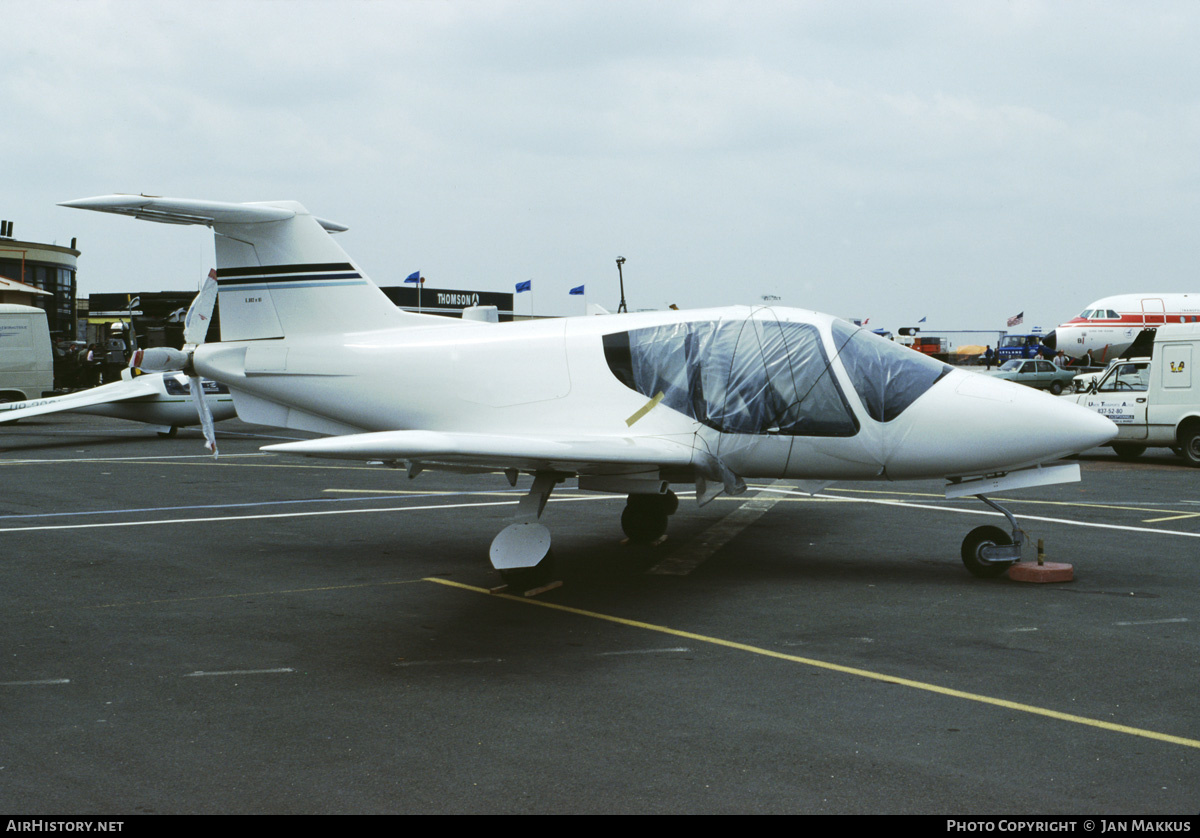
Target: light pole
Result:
[[621, 307]]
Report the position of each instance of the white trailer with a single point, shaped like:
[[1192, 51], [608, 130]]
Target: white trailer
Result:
[[26, 357]]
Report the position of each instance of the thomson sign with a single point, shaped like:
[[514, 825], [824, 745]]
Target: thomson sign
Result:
[[450, 301], [458, 299]]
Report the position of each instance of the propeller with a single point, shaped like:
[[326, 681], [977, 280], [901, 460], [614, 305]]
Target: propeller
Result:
[[167, 359]]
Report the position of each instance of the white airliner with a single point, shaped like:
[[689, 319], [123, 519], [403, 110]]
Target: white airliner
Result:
[[630, 404], [161, 400], [1107, 327]]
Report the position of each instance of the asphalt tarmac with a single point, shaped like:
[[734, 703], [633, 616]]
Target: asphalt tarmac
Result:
[[268, 634]]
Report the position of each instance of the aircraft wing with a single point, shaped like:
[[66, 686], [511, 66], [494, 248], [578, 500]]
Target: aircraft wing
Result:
[[564, 453], [118, 391]]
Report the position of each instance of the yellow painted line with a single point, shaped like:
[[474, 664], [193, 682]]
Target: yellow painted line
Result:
[[885, 492], [834, 667], [646, 408], [1171, 517], [401, 492]]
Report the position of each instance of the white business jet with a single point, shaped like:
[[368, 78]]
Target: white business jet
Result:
[[630, 404], [161, 400], [1108, 326]]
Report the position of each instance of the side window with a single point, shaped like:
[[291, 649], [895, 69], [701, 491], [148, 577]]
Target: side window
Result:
[[1126, 378], [739, 376]]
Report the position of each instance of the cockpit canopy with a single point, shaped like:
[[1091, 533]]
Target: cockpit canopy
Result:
[[888, 377], [764, 376]]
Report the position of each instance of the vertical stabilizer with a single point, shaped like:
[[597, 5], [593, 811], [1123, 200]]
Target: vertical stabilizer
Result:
[[279, 271]]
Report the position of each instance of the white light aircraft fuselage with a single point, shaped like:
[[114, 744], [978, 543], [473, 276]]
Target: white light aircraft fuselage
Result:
[[628, 403], [1108, 326]]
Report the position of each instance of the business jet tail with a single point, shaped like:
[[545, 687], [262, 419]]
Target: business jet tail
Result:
[[279, 271]]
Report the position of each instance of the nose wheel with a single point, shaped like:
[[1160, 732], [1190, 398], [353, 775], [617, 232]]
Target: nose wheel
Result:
[[987, 552]]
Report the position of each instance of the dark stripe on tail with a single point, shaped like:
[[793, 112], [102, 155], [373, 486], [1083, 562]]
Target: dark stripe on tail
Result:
[[235, 277]]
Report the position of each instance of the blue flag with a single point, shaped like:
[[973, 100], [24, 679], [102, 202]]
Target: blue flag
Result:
[[922, 320], [527, 285], [415, 276], [578, 292]]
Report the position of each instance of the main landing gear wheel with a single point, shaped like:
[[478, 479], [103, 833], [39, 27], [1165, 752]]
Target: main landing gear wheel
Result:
[[644, 519], [1190, 447], [972, 551]]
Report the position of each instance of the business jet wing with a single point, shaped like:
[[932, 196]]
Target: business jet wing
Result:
[[118, 391], [565, 453]]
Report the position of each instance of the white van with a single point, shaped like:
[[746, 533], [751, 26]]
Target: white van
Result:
[[26, 357], [1155, 401]]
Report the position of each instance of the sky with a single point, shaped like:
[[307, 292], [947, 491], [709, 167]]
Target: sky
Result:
[[961, 162]]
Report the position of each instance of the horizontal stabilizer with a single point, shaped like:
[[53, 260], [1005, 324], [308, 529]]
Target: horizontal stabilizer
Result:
[[566, 453], [192, 211]]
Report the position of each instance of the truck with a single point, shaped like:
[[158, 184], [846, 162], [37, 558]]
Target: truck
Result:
[[26, 355], [1154, 401], [1012, 347]]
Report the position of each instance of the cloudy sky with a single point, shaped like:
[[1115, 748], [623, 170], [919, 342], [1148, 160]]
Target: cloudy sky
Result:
[[960, 161]]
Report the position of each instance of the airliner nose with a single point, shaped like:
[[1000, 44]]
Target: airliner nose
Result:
[[983, 425]]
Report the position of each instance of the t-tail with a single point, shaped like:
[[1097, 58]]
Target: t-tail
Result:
[[279, 271]]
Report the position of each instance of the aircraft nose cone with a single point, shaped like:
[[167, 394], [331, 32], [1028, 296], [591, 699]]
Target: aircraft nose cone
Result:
[[973, 424], [1051, 340]]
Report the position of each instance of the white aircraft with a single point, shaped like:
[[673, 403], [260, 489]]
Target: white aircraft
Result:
[[159, 399], [1107, 327], [629, 403]]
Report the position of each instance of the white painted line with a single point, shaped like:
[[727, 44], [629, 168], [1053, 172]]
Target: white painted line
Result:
[[35, 683], [449, 663], [127, 459], [1152, 622], [292, 515], [251, 504], [203, 674], [702, 547], [909, 505], [672, 650]]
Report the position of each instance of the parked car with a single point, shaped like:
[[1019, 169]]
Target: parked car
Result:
[[1037, 373]]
